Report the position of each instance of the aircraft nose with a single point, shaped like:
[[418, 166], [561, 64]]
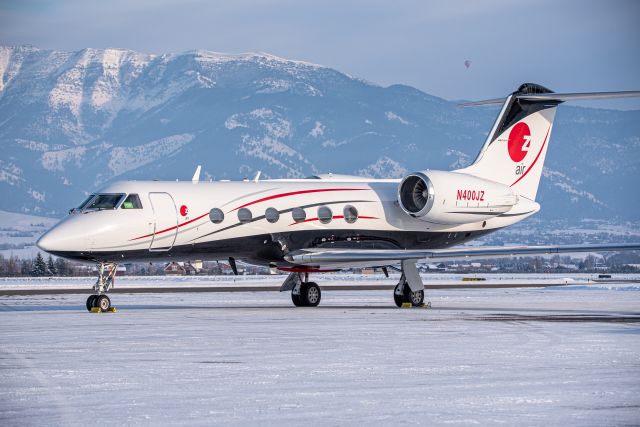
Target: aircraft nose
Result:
[[48, 242], [63, 237]]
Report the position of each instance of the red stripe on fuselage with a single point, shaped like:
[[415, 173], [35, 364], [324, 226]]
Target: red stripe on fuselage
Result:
[[275, 196], [295, 193], [171, 228]]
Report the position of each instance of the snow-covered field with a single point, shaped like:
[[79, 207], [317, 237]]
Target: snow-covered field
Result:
[[19, 233], [326, 280], [555, 356]]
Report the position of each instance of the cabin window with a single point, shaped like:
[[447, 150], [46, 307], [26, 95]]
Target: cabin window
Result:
[[324, 215], [216, 215], [298, 214], [272, 215], [132, 202], [104, 201], [244, 215], [350, 214]]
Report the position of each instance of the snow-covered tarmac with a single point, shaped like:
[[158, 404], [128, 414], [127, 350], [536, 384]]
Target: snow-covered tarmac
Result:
[[557, 356]]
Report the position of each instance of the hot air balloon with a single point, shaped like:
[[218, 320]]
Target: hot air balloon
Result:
[[467, 63]]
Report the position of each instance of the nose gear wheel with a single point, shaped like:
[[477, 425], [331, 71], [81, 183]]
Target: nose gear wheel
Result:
[[106, 279]]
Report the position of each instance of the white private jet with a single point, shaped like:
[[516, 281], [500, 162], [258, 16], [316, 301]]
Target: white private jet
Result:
[[329, 222]]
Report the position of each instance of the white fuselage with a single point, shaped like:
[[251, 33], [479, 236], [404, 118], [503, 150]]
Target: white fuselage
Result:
[[175, 222]]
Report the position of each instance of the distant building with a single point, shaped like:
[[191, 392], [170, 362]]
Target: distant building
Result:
[[180, 269]]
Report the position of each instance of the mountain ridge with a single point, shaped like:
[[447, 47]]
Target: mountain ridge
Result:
[[73, 121]]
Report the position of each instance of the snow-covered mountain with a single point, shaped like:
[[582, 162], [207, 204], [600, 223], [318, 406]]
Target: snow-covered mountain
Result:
[[73, 121]]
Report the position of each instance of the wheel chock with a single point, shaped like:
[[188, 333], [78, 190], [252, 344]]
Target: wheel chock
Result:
[[99, 310], [409, 305]]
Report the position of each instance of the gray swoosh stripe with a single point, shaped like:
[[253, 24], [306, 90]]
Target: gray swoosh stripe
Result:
[[250, 194]]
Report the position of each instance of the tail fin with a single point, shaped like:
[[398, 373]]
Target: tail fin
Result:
[[514, 151]]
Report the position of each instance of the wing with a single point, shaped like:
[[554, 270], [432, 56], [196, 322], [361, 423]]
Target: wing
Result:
[[381, 256]]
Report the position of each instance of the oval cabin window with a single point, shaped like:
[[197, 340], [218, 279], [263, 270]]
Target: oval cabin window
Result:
[[244, 215], [324, 215], [350, 214], [272, 215], [216, 215], [298, 214]]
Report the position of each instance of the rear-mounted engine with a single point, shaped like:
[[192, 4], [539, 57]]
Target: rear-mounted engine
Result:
[[453, 198]]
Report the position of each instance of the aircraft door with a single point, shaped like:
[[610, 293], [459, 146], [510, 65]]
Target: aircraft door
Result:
[[165, 224]]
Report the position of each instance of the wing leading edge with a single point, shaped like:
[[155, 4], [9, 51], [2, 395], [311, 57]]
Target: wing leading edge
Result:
[[347, 256]]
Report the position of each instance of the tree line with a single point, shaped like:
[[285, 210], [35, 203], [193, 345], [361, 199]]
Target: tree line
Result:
[[36, 267]]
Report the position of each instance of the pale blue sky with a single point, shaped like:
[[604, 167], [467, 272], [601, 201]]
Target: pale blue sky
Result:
[[566, 45]]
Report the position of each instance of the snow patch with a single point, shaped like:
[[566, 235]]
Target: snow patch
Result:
[[40, 197], [124, 159], [10, 173], [232, 122], [564, 183], [384, 167], [273, 86], [461, 161], [318, 130], [57, 160], [391, 116]]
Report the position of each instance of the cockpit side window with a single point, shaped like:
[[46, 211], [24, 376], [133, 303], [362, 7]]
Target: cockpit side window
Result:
[[104, 201], [131, 202]]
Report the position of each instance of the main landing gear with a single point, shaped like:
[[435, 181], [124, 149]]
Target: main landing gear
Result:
[[303, 292], [100, 302], [410, 290], [402, 294]]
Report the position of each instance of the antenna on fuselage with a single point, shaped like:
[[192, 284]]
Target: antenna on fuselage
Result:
[[257, 177], [196, 175]]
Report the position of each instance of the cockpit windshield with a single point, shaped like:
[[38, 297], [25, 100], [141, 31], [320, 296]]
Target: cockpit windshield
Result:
[[104, 201], [82, 205], [86, 201]]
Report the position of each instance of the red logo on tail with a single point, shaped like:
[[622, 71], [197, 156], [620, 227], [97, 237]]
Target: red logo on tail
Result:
[[184, 211], [519, 142]]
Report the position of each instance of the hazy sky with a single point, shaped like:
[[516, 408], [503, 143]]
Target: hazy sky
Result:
[[565, 45]]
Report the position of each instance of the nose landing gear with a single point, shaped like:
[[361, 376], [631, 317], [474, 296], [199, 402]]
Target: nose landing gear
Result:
[[100, 302]]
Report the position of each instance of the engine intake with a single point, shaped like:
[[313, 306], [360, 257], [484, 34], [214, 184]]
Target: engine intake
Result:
[[416, 194]]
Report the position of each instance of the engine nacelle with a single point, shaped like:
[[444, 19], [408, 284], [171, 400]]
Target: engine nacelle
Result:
[[453, 198]]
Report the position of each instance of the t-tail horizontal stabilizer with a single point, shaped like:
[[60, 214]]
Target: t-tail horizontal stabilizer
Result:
[[513, 153]]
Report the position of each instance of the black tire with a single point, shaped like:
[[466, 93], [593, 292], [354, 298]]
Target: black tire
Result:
[[103, 302], [398, 297], [415, 298], [310, 294], [297, 301], [91, 302]]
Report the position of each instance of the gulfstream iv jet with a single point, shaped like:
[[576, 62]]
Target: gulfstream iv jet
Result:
[[329, 222]]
